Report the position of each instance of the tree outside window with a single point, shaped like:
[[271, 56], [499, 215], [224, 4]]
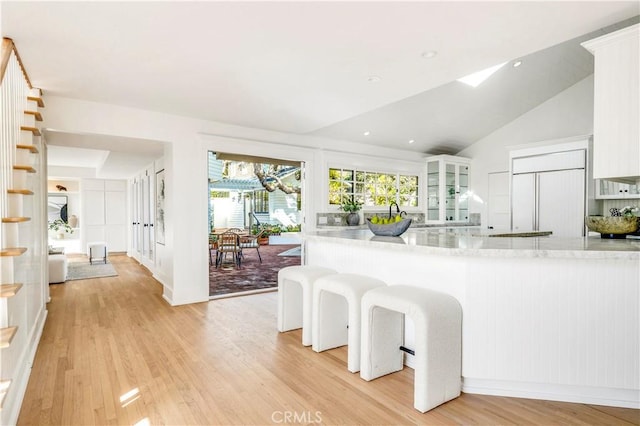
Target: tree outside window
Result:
[[372, 188]]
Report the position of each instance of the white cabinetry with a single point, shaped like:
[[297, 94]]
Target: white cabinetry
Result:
[[616, 143], [548, 192], [104, 206], [609, 190], [447, 188]]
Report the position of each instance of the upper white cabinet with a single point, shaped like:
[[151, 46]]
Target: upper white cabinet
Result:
[[447, 188], [616, 142]]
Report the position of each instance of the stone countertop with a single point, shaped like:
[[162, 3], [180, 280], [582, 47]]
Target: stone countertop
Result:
[[472, 241], [414, 225]]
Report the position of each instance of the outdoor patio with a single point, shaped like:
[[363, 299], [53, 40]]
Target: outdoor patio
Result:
[[252, 274]]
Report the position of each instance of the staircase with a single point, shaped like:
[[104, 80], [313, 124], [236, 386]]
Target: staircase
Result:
[[23, 255]]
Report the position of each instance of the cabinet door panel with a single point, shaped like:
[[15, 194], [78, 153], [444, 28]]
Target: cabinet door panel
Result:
[[561, 206], [94, 207], [95, 233], [523, 191], [116, 237], [116, 212]]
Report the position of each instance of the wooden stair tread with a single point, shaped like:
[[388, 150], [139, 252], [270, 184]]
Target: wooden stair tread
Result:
[[12, 251], [4, 389], [20, 191], [37, 99], [15, 219], [9, 290], [34, 130], [6, 336], [32, 148], [27, 169], [36, 114]]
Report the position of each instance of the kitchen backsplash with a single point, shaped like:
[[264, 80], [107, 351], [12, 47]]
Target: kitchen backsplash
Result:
[[339, 218]]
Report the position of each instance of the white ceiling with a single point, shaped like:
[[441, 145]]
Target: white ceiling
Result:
[[303, 67]]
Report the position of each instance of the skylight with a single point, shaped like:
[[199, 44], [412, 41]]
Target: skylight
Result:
[[475, 79]]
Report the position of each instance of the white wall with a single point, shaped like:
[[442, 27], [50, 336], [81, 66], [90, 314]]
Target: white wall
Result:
[[568, 114]]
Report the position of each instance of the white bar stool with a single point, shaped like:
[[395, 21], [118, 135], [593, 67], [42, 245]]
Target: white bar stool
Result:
[[337, 314], [57, 268], [295, 296], [97, 250], [437, 318]]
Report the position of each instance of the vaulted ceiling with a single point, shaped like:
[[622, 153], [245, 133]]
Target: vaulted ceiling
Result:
[[334, 69]]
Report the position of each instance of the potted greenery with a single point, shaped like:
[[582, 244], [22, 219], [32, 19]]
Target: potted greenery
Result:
[[352, 208], [263, 231], [60, 227]]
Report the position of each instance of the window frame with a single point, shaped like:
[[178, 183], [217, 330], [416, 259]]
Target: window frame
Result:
[[356, 176]]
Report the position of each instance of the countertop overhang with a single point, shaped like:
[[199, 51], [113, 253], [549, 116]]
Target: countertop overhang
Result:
[[472, 241]]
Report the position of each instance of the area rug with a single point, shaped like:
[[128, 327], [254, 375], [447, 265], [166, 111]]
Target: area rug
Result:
[[84, 270]]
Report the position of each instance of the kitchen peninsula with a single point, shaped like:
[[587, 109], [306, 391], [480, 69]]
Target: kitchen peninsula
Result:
[[543, 317]]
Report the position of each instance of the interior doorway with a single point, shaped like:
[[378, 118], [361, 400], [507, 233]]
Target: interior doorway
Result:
[[259, 199]]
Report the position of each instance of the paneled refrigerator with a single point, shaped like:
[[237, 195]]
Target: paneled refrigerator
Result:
[[548, 193]]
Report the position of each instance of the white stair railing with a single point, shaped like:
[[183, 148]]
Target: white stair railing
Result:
[[23, 260]]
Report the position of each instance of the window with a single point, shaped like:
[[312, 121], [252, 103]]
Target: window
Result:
[[219, 194], [372, 188], [261, 200]]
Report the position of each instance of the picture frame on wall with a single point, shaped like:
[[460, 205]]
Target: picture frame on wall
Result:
[[57, 207], [160, 207]]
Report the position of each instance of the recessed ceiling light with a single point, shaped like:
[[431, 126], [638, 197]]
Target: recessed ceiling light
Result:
[[429, 54], [367, 133], [411, 141], [516, 64], [475, 79], [373, 79]]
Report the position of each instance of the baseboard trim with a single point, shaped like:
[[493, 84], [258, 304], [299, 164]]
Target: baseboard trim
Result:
[[612, 397]]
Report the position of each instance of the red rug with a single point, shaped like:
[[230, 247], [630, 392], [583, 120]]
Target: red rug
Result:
[[252, 274]]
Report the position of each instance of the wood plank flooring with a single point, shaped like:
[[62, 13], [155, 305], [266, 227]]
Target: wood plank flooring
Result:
[[114, 352]]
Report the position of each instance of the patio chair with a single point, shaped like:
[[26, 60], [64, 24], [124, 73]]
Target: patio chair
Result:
[[212, 247], [251, 241], [229, 243]]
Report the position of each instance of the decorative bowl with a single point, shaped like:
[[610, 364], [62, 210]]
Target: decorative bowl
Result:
[[612, 226], [391, 230]]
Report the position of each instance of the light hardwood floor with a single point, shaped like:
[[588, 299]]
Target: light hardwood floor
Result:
[[114, 352]]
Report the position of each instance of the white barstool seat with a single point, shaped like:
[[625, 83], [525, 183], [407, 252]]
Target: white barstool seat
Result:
[[437, 319], [97, 250], [295, 297], [337, 314]]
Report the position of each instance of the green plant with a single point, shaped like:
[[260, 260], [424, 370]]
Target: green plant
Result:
[[628, 211], [60, 225], [266, 229], [350, 206]]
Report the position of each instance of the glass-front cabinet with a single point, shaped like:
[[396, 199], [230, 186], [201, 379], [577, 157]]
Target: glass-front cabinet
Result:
[[606, 189], [447, 189]]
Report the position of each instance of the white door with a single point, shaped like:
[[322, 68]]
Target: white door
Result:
[[561, 206], [135, 218], [523, 207], [147, 209], [498, 204]]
